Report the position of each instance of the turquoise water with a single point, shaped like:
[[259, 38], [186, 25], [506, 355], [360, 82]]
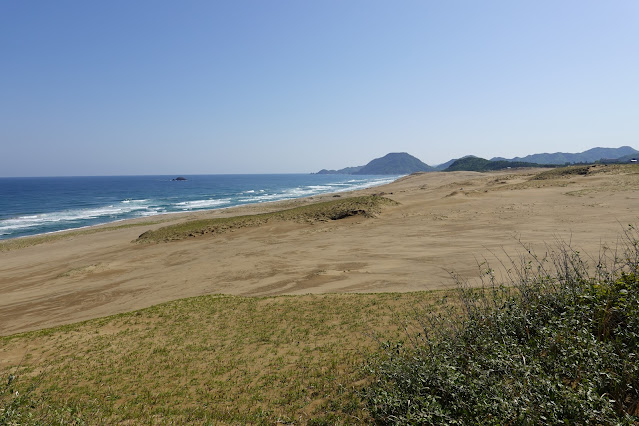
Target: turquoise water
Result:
[[31, 206]]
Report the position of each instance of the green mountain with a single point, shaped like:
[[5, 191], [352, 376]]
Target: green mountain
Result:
[[398, 163], [477, 164], [589, 156]]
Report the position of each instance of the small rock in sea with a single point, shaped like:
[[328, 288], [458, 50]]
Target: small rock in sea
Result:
[[179, 178]]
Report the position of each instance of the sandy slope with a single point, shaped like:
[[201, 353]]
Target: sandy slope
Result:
[[445, 222]]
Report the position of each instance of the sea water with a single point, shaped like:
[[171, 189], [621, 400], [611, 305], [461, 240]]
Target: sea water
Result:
[[31, 206]]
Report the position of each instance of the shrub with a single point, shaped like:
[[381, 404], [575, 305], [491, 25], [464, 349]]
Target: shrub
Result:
[[558, 344]]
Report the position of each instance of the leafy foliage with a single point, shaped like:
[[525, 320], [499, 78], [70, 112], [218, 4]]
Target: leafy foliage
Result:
[[559, 346]]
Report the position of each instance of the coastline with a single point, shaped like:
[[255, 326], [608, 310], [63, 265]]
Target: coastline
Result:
[[444, 222], [148, 197]]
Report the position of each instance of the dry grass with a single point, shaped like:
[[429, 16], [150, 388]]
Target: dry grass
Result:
[[211, 359]]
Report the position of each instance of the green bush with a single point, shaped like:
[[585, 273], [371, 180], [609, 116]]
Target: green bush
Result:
[[557, 345]]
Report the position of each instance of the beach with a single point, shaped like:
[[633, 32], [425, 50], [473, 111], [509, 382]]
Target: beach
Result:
[[443, 223]]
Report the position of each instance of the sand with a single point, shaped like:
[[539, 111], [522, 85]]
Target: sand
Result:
[[445, 222]]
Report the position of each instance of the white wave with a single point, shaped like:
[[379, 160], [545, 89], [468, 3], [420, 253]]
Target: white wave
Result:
[[150, 212], [307, 191], [70, 216], [361, 184], [201, 204]]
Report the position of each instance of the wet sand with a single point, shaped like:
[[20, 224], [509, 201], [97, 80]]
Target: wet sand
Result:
[[444, 222]]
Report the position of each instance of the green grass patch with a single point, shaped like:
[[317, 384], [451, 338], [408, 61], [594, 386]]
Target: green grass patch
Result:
[[366, 206], [205, 360]]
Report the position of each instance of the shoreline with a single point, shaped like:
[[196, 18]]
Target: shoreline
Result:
[[164, 215], [444, 222]]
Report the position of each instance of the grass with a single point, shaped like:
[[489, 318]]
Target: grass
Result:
[[366, 206], [586, 170], [207, 360]]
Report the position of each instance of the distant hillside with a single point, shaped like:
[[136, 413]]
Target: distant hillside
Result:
[[344, 171], [477, 164], [399, 163], [445, 165], [589, 156], [625, 159]]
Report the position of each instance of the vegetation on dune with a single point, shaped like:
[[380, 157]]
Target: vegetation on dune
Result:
[[586, 170], [18, 243], [367, 206], [559, 345], [204, 360]]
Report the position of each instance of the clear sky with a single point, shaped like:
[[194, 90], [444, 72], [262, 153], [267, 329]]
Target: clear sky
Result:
[[278, 86]]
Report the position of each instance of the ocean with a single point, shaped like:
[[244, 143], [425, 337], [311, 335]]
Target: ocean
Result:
[[38, 205]]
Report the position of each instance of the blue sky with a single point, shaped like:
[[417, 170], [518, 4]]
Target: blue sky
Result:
[[186, 87]]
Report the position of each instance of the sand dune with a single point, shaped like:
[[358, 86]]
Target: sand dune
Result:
[[444, 222]]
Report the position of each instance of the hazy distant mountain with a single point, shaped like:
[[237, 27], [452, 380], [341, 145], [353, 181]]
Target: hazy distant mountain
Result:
[[344, 171], [589, 156], [447, 164], [399, 163], [625, 159], [477, 164]]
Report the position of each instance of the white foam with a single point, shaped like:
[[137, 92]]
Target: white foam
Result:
[[72, 215], [201, 204]]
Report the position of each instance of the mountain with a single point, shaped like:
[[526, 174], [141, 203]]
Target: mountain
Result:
[[398, 163], [625, 159], [344, 171], [447, 164], [477, 164], [589, 156]]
